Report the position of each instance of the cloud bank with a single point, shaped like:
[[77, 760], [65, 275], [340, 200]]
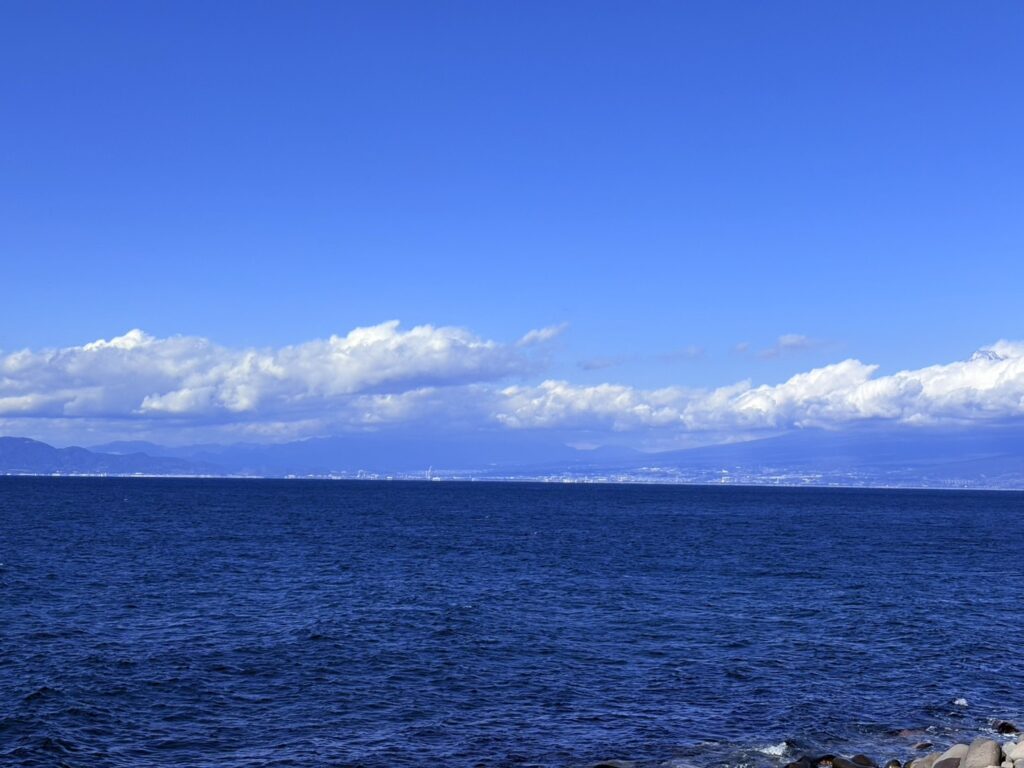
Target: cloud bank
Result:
[[451, 378], [987, 387]]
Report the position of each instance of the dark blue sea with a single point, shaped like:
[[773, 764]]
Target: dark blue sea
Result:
[[149, 622]]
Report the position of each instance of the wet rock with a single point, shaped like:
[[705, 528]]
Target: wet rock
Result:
[[865, 761], [803, 762], [842, 762], [1005, 727], [921, 746], [983, 753], [825, 761], [952, 757], [894, 764], [614, 764]]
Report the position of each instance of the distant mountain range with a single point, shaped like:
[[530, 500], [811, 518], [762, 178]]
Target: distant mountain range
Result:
[[21, 456], [989, 458]]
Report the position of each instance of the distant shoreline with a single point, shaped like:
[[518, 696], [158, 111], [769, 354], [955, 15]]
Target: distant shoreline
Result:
[[514, 480]]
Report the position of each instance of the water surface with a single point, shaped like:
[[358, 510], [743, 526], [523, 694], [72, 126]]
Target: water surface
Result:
[[149, 622]]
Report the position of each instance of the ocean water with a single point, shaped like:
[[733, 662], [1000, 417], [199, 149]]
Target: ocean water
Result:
[[150, 622]]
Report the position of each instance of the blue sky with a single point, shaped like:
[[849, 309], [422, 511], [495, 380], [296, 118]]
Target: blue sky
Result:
[[678, 185]]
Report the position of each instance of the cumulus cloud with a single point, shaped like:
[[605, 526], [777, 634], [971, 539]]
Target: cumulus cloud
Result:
[[139, 376], [988, 387], [450, 378]]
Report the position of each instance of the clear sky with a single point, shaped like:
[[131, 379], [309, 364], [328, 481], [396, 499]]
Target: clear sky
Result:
[[681, 185]]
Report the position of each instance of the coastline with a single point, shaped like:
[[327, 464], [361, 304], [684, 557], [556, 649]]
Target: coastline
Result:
[[524, 480]]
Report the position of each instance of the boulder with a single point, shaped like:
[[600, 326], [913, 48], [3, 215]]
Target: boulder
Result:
[[825, 761], [1005, 727], [803, 762], [1015, 752], [927, 761], [1018, 763], [952, 757], [894, 764], [983, 753], [842, 762], [865, 761], [921, 746], [614, 764]]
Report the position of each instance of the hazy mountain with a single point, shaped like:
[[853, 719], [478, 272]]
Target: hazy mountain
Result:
[[992, 457], [19, 455], [385, 453]]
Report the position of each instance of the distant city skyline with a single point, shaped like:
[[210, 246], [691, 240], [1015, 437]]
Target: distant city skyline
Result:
[[651, 225]]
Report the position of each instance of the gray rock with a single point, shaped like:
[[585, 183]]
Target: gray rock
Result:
[[894, 764], [953, 757], [927, 761], [1015, 752], [921, 746], [1018, 763], [983, 753]]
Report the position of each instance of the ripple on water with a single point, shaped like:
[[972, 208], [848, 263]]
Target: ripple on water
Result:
[[253, 623]]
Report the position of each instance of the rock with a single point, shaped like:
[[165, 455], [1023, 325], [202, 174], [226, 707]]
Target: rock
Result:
[[1015, 752], [825, 761], [1005, 727], [894, 764], [927, 761], [842, 762], [921, 746], [1018, 763], [952, 757], [615, 764], [983, 753], [803, 762], [864, 760]]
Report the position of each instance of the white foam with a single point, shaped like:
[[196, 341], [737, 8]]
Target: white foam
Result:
[[775, 750], [960, 702]]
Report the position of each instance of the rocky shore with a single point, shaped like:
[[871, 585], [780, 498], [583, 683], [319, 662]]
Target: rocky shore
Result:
[[983, 752]]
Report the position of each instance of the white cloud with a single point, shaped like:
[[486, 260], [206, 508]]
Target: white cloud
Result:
[[788, 342], [989, 386], [448, 378], [137, 375], [541, 335]]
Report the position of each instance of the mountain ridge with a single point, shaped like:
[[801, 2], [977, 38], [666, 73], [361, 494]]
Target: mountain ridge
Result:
[[909, 457]]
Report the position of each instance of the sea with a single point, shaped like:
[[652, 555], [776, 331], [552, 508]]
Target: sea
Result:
[[230, 623]]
